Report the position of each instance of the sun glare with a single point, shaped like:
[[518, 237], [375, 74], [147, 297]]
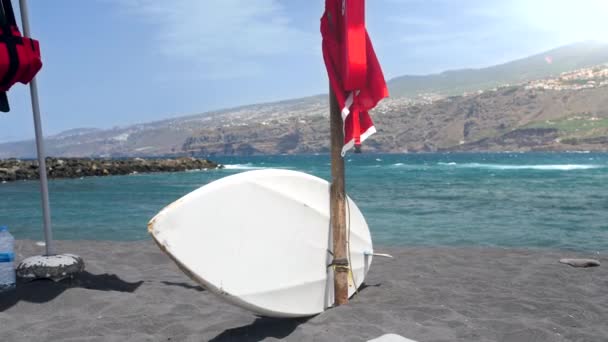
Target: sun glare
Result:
[[581, 20]]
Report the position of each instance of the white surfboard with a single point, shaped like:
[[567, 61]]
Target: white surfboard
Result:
[[262, 240]]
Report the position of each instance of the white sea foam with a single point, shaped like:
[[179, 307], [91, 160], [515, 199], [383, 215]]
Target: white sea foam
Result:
[[548, 167], [247, 166]]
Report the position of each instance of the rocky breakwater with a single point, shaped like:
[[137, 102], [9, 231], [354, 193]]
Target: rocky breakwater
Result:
[[15, 169]]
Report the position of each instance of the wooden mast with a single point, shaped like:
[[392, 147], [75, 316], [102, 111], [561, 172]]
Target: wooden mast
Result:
[[338, 203]]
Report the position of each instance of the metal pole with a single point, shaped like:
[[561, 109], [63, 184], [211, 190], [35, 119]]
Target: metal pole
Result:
[[46, 210]]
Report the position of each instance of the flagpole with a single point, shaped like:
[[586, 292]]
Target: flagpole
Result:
[[46, 210], [338, 203]]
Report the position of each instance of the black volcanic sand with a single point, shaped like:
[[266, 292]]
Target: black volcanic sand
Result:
[[133, 292]]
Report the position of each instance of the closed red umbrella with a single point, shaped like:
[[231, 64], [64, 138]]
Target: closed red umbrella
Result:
[[20, 57]]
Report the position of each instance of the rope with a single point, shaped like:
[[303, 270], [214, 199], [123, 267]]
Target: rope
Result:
[[350, 264], [345, 264]]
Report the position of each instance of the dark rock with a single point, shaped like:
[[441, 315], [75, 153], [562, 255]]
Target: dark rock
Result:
[[12, 170], [580, 262]]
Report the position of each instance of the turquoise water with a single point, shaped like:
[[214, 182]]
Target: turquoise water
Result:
[[557, 200]]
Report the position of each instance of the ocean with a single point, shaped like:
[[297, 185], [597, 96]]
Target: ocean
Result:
[[538, 200]]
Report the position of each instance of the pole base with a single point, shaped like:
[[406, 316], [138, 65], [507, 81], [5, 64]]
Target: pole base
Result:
[[54, 267]]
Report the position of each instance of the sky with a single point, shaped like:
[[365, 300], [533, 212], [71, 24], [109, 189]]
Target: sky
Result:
[[111, 63]]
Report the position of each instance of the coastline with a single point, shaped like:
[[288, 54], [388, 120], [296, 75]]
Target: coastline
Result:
[[131, 291]]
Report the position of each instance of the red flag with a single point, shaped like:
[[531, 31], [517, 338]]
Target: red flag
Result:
[[354, 72]]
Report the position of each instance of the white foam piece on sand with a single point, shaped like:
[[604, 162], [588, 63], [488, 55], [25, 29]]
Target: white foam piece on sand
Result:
[[391, 338]]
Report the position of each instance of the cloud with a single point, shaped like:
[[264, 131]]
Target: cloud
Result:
[[565, 19], [222, 39]]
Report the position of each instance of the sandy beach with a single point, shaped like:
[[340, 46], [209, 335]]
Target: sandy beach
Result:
[[132, 292]]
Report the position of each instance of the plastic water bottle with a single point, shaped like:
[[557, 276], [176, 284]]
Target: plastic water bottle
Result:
[[7, 257]]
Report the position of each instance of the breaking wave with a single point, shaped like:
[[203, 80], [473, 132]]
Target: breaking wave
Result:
[[553, 167], [247, 166]]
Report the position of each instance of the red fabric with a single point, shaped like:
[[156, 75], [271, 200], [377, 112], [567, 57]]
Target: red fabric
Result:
[[354, 49], [28, 54], [354, 72], [32, 59]]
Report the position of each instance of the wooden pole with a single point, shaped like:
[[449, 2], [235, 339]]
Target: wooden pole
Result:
[[337, 203]]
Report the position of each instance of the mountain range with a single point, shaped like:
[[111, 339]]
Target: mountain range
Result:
[[545, 64], [555, 100]]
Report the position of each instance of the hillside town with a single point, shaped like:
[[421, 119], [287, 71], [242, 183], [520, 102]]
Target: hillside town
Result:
[[398, 103], [586, 78]]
